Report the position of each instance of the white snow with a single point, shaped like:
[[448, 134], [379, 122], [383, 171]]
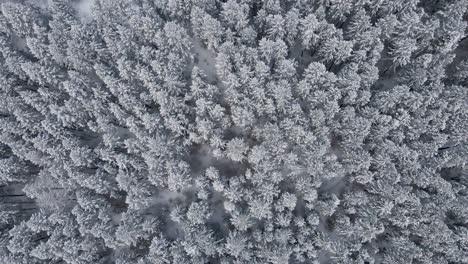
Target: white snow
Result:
[[205, 156], [165, 197], [116, 218], [40, 3], [85, 8], [206, 60]]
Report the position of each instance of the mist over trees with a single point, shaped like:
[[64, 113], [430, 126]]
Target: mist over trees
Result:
[[233, 131]]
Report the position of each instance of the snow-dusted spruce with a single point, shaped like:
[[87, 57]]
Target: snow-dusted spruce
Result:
[[233, 131]]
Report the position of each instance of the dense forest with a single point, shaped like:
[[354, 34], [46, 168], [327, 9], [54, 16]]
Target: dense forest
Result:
[[233, 131]]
